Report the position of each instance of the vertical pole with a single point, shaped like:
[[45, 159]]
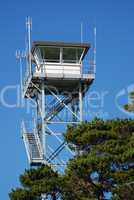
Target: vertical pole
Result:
[[29, 25], [21, 82], [81, 27], [94, 50], [73, 109], [43, 116], [80, 102], [61, 59], [61, 55]]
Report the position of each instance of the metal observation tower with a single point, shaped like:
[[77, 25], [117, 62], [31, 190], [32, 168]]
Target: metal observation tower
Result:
[[56, 81]]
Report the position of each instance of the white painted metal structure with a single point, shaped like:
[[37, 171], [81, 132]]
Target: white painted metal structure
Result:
[[56, 82]]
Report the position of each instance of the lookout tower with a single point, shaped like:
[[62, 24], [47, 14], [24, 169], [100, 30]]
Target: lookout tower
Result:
[[57, 82]]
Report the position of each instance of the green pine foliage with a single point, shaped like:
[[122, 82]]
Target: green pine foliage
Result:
[[104, 162], [36, 182]]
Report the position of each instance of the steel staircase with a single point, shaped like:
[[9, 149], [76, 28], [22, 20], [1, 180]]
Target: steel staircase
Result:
[[56, 108], [33, 148]]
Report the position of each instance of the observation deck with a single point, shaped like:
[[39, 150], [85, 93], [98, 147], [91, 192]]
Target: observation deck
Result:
[[59, 65]]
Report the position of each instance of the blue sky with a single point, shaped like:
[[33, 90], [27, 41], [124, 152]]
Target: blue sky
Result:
[[60, 20]]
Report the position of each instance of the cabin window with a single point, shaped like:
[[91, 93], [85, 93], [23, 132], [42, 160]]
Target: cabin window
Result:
[[72, 55], [50, 54], [59, 54]]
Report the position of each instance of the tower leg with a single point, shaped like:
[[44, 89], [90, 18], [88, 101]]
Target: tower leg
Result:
[[80, 102], [43, 122], [73, 109]]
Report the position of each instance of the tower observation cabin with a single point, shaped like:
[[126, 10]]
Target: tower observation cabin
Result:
[[60, 65], [57, 81]]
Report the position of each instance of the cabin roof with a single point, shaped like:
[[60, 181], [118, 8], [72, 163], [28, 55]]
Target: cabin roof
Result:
[[85, 46]]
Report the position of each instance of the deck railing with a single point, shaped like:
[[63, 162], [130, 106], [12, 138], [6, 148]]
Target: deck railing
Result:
[[86, 68]]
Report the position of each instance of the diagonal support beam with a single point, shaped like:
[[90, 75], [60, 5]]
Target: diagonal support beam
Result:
[[60, 140], [62, 102]]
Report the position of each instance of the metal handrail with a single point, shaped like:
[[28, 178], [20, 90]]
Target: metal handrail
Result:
[[24, 133], [38, 140]]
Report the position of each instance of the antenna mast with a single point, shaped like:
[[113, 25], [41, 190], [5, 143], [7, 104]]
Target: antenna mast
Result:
[[29, 28], [94, 51], [19, 56], [81, 27]]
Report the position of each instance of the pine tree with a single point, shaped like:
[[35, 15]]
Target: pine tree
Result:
[[35, 183], [105, 160]]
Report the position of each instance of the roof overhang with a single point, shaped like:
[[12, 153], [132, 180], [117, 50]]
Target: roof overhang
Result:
[[85, 46]]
